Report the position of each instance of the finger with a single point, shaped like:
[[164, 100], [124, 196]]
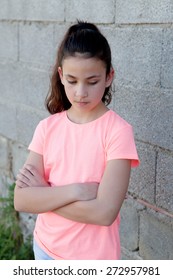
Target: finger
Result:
[[30, 168], [26, 173], [21, 184], [35, 177], [28, 178], [23, 179]]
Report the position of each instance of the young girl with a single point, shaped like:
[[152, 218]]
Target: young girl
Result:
[[77, 173]]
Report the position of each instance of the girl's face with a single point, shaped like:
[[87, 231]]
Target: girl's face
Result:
[[84, 80]]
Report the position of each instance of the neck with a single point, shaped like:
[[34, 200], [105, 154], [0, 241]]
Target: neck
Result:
[[82, 117]]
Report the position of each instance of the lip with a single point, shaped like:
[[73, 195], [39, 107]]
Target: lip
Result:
[[81, 103]]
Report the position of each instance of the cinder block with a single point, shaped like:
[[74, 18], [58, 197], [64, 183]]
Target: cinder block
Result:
[[139, 11], [129, 227], [36, 43], [24, 85], [92, 10], [27, 120], [150, 113], [4, 183], [128, 255], [9, 41], [33, 87], [59, 32], [3, 153], [156, 238], [136, 53], [142, 183], [19, 155], [32, 10], [11, 9], [8, 120], [164, 181], [52, 10], [27, 222], [167, 59], [9, 81]]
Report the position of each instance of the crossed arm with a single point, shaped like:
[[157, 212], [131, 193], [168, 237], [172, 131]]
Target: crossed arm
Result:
[[85, 203]]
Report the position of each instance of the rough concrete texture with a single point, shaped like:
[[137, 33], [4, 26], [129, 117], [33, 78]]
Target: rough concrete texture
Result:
[[164, 181], [129, 229], [141, 38], [139, 11], [142, 183], [156, 238], [52, 10]]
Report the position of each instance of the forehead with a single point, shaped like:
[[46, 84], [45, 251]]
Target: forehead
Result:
[[81, 64]]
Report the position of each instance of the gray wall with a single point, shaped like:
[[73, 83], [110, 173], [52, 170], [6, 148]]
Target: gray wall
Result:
[[141, 37]]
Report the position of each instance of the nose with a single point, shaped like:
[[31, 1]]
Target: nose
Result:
[[81, 91]]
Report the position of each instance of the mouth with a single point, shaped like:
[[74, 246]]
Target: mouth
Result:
[[81, 103]]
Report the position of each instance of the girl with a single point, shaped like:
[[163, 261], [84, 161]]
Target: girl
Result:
[[77, 173]]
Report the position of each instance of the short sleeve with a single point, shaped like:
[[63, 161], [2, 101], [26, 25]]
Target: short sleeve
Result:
[[37, 142], [121, 145]]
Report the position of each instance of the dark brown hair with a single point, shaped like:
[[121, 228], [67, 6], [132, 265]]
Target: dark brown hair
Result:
[[84, 38]]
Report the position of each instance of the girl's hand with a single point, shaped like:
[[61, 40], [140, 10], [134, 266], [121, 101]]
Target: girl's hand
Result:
[[87, 191], [30, 177]]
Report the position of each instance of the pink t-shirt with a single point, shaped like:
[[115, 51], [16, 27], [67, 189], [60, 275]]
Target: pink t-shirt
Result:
[[78, 153]]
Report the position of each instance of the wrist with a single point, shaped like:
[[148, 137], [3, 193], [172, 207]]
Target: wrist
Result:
[[73, 192], [77, 191]]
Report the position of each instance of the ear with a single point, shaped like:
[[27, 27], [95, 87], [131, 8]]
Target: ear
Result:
[[110, 77], [60, 74]]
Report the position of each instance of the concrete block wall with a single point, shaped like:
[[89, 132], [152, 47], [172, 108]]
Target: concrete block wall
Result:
[[141, 37]]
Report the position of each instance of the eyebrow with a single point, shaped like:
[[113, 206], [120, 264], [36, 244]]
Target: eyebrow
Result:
[[88, 78]]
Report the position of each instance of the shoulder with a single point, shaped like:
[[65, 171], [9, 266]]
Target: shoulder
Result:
[[116, 122], [49, 124], [52, 120], [120, 140], [118, 132]]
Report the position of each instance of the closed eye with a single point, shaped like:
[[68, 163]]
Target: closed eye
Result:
[[93, 83], [90, 83], [71, 82]]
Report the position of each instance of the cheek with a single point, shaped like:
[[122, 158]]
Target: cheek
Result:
[[67, 87], [100, 91], [69, 90]]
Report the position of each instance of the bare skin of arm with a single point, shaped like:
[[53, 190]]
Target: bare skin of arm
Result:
[[34, 195], [104, 209]]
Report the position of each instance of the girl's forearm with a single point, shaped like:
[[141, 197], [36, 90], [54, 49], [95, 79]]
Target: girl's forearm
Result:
[[43, 199], [78, 211], [34, 195], [104, 209], [89, 212]]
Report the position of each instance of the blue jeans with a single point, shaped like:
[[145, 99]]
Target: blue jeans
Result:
[[39, 254]]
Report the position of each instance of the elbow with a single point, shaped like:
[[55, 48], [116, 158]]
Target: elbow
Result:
[[18, 202], [105, 215], [17, 209], [107, 222], [20, 207], [107, 218], [15, 202], [17, 205]]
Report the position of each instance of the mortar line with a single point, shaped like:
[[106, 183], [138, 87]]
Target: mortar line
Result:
[[18, 41], [161, 62], [153, 207], [155, 176]]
